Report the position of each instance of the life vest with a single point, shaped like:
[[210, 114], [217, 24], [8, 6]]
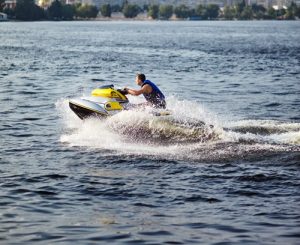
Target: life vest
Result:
[[156, 97]]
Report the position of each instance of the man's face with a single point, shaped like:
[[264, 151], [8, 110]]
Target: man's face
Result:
[[137, 80]]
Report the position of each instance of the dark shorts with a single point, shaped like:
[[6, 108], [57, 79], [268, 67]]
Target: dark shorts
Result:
[[161, 104]]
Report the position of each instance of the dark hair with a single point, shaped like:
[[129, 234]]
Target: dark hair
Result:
[[141, 77]]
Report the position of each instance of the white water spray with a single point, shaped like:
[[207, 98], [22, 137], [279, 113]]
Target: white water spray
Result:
[[140, 133]]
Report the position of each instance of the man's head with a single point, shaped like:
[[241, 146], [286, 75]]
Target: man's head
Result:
[[140, 78]]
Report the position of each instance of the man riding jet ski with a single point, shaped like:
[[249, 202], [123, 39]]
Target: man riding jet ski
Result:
[[151, 92], [107, 101]]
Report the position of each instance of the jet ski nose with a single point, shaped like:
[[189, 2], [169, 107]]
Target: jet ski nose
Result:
[[84, 108]]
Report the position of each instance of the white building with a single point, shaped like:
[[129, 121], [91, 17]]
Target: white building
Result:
[[11, 4], [189, 3], [72, 1], [3, 17]]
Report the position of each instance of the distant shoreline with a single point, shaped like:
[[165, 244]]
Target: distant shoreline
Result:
[[104, 19], [143, 17]]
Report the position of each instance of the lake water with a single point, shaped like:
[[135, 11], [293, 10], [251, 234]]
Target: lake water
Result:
[[137, 179]]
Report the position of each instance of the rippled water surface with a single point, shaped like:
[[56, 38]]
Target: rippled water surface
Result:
[[139, 179]]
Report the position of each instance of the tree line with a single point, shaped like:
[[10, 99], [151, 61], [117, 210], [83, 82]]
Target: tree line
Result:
[[239, 11], [27, 10]]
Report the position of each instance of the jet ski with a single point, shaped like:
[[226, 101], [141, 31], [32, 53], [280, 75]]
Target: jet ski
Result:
[[104, 101]]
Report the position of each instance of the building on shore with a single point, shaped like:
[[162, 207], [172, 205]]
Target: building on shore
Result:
[[72, 1], [189, 3], [3, 17], [192, 3], [10, 4]]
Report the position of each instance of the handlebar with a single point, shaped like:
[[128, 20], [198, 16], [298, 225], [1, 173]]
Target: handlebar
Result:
[[123, 91]]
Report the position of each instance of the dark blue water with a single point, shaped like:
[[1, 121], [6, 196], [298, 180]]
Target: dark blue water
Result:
[[135, 179]]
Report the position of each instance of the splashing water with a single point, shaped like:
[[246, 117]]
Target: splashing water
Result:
[[190, 132]]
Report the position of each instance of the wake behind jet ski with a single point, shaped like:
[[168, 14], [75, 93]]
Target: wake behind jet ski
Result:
[[104, 101]]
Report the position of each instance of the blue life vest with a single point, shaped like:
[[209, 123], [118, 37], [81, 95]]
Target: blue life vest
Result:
[[156, 97]]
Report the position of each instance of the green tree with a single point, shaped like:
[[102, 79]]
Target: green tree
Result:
[[92, 11], [182, 11], [80, 10], [281, 13], [228, 13], [55, 11], [87, 11], [153, 11], [259, 11], [239, 7], [298, 12], [124, 2], [165, 11], [131, 10], [212, 11], [247, 13], [291, 11], [2, 5], [76, 6], [271, 13], [258, 8], [27, 10], [105, 10], [201, 11], [145, 8], [68, 12]]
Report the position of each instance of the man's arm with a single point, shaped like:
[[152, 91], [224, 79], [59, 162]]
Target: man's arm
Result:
[[147, 89]]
